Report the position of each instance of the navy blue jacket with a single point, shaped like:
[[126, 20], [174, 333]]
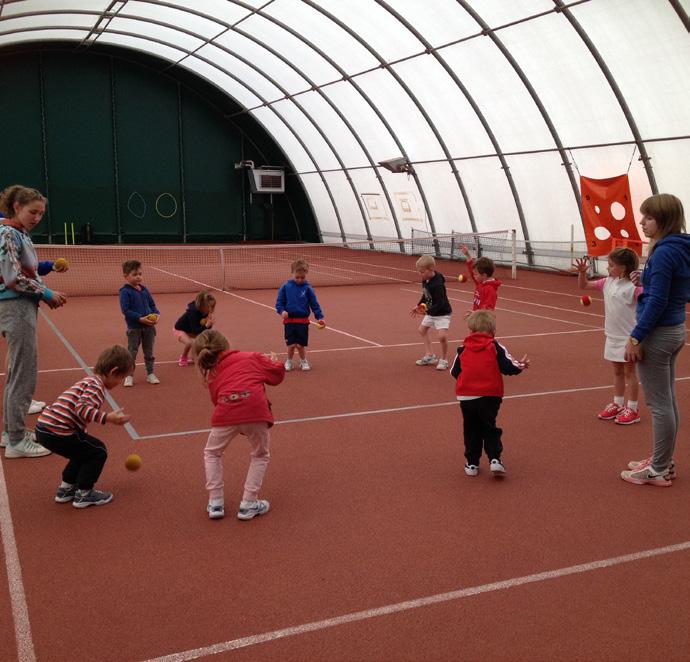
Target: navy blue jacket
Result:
[[435, 297], [135, 304], [666, 283], [190, 322]]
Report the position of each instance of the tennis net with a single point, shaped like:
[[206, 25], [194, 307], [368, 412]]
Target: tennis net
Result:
[[97, 270]]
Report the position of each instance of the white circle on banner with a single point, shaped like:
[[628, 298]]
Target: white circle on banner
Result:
[[596, 209], [173, 205], [617, 211], [601, 233], [625, 233]]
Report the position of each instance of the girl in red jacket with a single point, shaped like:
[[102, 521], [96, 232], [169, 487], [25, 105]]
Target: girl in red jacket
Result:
[[236, 382]]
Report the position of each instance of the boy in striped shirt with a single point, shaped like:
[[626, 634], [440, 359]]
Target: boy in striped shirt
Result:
[[61, 428]]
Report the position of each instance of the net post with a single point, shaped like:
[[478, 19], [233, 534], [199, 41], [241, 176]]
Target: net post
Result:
[[513, 250], [222, 269]]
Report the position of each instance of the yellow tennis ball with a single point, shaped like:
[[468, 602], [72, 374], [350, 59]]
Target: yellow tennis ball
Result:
[[61, 264], [320, 325], [203, 321], [153, 317], [133, 462], [462, 278], [422, 307]]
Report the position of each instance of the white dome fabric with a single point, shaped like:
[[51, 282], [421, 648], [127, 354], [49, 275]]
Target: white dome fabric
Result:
[[494, 108]]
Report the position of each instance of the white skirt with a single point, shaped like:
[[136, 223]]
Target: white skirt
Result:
[[614, 349]]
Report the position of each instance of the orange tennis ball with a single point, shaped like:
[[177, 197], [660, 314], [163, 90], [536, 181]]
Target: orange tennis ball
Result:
[[462, 278], [61, 264], [133, 462], [585, 300], [203, 321]]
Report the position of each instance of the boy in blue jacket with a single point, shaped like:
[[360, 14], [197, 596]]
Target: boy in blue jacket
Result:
[[478, 369], [296, 299], [141, 316]]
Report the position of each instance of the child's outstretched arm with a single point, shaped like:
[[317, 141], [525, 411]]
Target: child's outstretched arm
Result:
[[469, 263], [274, 370], [582, 264], [507, 364]]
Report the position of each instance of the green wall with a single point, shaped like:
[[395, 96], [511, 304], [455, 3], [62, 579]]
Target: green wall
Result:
[[143, 157]]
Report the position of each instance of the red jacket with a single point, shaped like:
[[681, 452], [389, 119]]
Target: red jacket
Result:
[[486, 293], [480, 364], [238, 391]]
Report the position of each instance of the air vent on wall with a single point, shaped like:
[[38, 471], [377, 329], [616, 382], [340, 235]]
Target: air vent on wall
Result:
[[267, 180]]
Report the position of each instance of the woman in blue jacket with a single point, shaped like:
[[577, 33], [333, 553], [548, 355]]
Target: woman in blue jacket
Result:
[[660, 333]]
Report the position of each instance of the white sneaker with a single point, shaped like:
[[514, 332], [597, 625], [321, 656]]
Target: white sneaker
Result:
[[27, 447], [497, 468], [471, 469], [427, 359], [288, 365], [129, 381], [36, 407], [152, 379], [216, 511], [250, 509], [442, 364], [4, 440], [304, 364]]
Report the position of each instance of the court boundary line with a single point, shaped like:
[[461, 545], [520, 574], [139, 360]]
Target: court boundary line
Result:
[[417, 603], [351, 349], [256, 303], [390, 410], [77, 357], [15, 584]]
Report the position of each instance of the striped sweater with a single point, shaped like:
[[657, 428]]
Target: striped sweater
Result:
[[75, 408]]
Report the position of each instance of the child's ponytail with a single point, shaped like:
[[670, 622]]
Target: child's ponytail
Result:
[[208, 346]]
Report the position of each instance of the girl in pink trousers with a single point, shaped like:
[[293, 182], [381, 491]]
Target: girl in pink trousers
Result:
[[236, 383]]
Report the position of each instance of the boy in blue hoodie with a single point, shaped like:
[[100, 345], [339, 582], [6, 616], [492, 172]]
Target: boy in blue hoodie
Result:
[[141, 316], [296, 299]]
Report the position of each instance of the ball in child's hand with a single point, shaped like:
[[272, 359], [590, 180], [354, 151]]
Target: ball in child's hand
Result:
[[203, 321], [462, 278], [585, 300], [61, 264], [422, 308], [133, 462], [321, 325], [153, 317]]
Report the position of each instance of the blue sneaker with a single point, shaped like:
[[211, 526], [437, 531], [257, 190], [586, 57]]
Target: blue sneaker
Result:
[[86, 498], [250, 509], [65, 494]]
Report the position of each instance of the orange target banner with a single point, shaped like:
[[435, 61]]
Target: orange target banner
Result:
[[607, 215]]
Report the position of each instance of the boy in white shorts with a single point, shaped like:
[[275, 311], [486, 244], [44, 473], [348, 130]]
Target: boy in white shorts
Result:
[[435, 307]]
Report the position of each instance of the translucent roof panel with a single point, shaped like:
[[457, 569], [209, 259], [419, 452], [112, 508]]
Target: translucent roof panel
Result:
[[510, 101]]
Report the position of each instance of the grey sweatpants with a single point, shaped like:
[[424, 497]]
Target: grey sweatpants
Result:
[[145, 337], [18, 325], [657, 371]]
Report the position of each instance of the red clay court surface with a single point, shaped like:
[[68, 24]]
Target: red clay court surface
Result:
[[377, 546]]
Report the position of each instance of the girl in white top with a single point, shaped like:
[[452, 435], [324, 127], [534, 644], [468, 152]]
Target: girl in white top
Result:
[[620, 300]]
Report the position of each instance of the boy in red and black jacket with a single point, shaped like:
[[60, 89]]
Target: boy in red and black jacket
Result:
[[485, 285], [478, 370]]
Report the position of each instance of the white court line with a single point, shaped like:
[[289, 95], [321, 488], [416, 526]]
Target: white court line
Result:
[[417, 603], [522, 312], [391, 410], [257, 303], [111, 401], [20, 610], [357, 347]]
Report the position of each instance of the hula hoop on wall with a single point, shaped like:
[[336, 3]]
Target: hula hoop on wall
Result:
[[129, 204], [158, 211]]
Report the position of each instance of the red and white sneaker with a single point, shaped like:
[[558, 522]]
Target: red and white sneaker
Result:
[[610, 412], [627, 416], [647, 462]]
